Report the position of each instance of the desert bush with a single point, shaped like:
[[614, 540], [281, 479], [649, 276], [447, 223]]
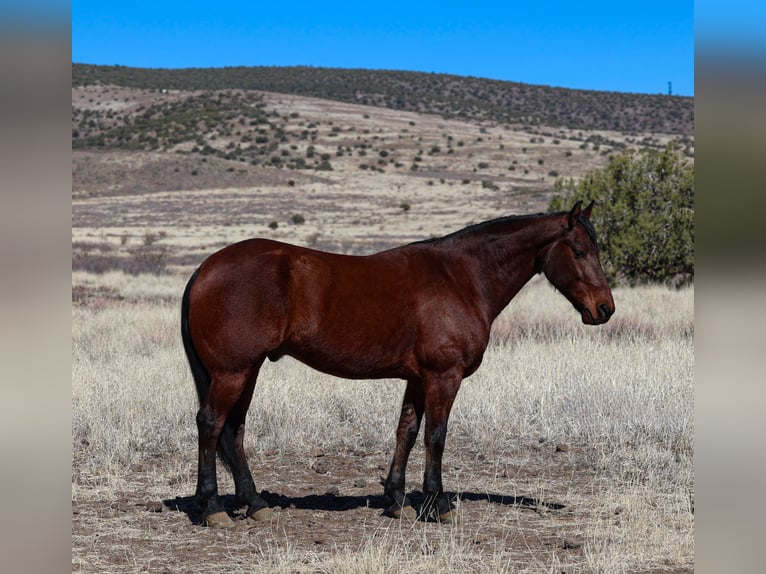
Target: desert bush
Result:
[[150, 258], [644, 215]]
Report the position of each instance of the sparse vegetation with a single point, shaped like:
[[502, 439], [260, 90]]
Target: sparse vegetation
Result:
[[450, 96]]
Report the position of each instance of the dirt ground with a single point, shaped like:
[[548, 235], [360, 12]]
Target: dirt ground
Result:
[[333, 500], [526, 506]]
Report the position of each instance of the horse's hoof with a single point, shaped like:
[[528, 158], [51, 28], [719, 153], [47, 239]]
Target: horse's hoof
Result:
[[405, 513], [264, 514], [219, 520], [450, 517]]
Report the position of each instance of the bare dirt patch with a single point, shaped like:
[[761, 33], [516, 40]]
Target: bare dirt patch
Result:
[[531, 507]]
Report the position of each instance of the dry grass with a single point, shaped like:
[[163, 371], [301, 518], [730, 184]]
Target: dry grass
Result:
[[621, 398]]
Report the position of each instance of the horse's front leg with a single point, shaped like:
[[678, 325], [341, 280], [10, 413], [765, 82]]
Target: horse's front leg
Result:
[[440, 392], [406, 434]]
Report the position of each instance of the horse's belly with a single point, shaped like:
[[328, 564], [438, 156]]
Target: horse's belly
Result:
[[356, 359]]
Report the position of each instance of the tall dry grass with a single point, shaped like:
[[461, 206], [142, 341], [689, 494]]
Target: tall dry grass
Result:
[[623, 392]]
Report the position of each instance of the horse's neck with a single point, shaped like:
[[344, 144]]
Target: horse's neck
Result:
[[507, 260]]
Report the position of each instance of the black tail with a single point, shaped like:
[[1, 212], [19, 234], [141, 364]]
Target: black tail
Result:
[[202, 378], [199, 372]]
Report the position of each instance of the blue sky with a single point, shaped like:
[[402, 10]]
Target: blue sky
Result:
[[627, 46]]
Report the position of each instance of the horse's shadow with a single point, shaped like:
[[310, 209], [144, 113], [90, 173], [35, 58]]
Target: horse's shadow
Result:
[[340, 503]]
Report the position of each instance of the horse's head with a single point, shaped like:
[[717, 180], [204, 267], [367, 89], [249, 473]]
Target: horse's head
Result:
[[571, 264]]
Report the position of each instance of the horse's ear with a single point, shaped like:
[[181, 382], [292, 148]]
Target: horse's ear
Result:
[[587, 210], [574, 215]]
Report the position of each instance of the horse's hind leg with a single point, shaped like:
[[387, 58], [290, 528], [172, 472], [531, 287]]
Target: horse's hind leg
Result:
[[225, 390], [232, 450], [406, 434]]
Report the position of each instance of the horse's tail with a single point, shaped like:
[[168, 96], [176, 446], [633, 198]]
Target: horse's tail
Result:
[[199, 372], [202, 379]]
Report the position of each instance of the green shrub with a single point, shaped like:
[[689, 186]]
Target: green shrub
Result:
[[644, 215]]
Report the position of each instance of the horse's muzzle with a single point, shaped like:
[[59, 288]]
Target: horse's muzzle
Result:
[[604, 313]]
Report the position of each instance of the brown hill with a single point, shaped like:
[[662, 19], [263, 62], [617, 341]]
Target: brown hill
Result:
[[448, 95]]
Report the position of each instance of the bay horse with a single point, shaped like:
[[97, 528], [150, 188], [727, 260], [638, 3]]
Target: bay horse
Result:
[[421, 312]]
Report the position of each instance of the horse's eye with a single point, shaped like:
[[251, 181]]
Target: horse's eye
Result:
[[578, 253]]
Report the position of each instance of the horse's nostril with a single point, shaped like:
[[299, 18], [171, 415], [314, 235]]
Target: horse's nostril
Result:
[[603, 311]]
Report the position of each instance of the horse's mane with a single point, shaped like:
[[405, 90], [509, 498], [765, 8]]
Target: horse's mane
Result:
[[486, 227]]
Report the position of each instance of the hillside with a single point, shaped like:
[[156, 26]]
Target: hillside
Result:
[[450, 96], [209, 166]]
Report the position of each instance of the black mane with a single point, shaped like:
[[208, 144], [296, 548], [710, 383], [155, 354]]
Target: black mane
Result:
[[487, 225], [478, 228]]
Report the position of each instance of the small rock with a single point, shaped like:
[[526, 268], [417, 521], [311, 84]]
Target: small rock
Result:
[[316, 452], [562, 447], [332, 491], [360, 483], [321, 468], [571, 545]]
